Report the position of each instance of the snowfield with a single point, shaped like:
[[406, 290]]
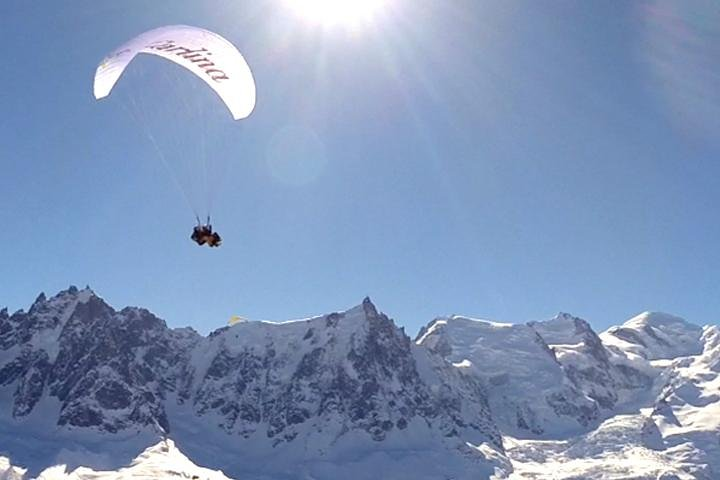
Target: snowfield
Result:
[[163, 460]]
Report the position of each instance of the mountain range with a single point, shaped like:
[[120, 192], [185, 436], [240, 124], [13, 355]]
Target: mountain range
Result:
[[87, 391]]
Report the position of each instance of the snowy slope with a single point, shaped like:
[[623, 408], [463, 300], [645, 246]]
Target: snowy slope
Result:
[[621, 448], [334, 393], [667, 431], [582, 356], [590, 365], [529, 392], [10, 472], [687, 410], [653, 336], [162, 460]]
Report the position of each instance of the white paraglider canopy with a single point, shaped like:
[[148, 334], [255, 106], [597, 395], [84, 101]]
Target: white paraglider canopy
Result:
[[206, 54]]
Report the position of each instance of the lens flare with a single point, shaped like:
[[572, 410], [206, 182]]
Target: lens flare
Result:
[[682, 51]]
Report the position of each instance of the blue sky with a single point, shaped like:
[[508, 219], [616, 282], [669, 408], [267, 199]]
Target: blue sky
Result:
[[503, 160]]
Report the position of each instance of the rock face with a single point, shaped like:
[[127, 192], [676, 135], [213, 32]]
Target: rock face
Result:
[[344, 377], [351, 371], [107, 369]]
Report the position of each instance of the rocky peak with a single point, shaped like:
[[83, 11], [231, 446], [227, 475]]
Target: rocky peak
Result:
[[434, 337], [60, 305], [320, 378], [563, 328], [568, 317], [368, 306], [582, 356], [565, 333], [38, 303], [108, 369], [139, 321]]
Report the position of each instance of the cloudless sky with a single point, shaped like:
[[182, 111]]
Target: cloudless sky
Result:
[[502, 160]]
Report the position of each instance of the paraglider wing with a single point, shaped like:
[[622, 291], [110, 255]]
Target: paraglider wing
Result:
[[236, 319], [208, 55]]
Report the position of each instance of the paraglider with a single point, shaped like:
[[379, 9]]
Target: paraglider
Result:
[[203, 235], [216, 62], [235, 319]]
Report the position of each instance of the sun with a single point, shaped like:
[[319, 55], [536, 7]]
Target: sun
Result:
[[349, 13]]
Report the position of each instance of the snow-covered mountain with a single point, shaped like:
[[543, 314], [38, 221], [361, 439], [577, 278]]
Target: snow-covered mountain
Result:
[[528, 390], [106, 371], [87, 391], [337, 393], [599, 373], [667, 425], [687, 409], [654, 336]]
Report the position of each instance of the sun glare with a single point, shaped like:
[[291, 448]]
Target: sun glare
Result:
[[351, 13]]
